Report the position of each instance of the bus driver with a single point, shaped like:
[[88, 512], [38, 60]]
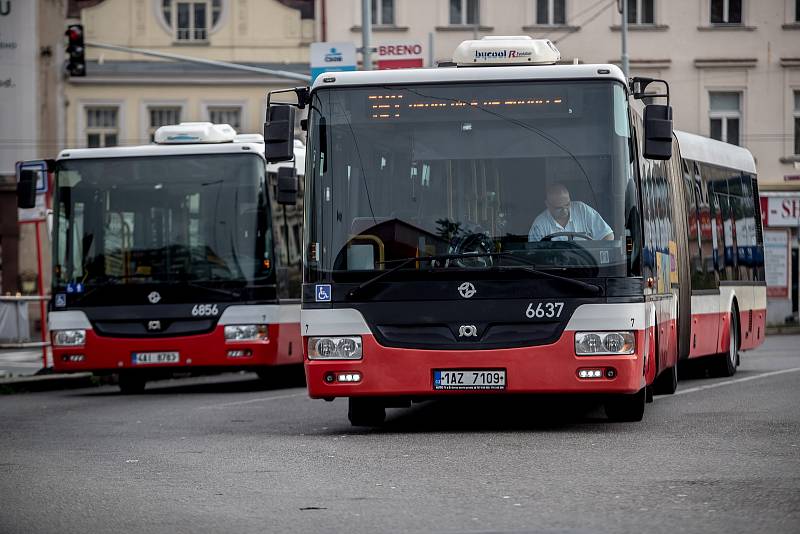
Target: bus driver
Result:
[[565, 215]]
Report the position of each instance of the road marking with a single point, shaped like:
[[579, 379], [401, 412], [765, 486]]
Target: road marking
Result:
[[729, 382], [251, 401]]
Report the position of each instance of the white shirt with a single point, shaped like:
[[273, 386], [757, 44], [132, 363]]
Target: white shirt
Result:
[[582, 218]]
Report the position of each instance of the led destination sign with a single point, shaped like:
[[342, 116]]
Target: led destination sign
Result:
[[402, 105]]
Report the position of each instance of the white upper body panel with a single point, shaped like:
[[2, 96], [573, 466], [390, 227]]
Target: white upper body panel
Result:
[[707, 150], [469, 74], [161, 150]]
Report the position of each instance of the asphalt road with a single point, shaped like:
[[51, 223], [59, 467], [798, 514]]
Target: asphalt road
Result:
[[224, 454]]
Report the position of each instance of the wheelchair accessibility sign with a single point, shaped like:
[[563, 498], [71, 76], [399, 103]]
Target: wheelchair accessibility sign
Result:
[[323, 292]]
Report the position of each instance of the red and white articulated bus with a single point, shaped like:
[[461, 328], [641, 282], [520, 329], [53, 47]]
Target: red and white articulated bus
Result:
[[175, 257], [508, 225]]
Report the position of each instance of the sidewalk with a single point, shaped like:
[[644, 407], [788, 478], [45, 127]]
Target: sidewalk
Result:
[[21, 370], [20, 362]]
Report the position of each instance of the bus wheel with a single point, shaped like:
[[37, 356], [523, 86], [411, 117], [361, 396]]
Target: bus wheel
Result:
[[726, 362], [626, 408], [363, 411], [131, 383], [667, 382]]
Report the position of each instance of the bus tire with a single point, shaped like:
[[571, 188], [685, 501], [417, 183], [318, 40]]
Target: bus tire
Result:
[[364, 411], [667, 382], [727, 361], [131, 383], [626, 408]]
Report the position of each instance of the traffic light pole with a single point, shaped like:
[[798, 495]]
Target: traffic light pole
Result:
[[214, 63]]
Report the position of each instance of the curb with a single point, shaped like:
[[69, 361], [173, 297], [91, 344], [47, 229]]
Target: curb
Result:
[[46, 382], [782, 330]]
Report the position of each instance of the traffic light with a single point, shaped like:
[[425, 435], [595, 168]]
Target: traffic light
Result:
[[76, 61]]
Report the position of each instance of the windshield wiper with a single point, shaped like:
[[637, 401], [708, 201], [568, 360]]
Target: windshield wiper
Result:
[[527, 267], [411, 259], [222, 291], [594, 288]]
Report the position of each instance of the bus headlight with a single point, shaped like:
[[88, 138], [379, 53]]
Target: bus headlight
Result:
[[245, 332], [69, 338], [334, 348], [590, 343]]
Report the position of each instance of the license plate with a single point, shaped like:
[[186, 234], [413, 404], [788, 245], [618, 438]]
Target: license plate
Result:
[[144, 358], [469, 379]]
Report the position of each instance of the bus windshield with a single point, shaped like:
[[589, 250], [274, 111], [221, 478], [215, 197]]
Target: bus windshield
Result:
[[524, 173], [161, 219]]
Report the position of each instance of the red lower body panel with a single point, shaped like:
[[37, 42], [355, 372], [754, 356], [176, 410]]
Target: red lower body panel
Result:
[[711, 331], [101, 353], [553, 368]]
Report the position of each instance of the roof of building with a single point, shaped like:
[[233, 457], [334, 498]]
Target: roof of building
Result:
[[707, 150], [470, 74]]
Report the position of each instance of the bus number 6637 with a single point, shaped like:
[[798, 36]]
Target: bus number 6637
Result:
[[544, 310]]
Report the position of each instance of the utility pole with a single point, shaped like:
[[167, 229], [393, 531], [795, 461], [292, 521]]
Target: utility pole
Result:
[[623, 8], [366, 34]]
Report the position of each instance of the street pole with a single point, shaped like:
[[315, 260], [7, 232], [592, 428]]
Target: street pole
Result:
[[624, 32], [366, 34], [431, 56]]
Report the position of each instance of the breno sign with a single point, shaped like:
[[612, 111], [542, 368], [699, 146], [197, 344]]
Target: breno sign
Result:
[[399, 56]]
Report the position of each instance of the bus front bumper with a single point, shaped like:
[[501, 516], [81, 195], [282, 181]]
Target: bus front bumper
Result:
[[210, 350], [552, 369]]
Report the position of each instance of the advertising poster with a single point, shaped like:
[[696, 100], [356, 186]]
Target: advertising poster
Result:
[[776, 262]]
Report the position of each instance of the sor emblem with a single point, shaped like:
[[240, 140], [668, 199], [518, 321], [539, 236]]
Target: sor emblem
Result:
[[466, 290], [154, 326], [467, 330], [154, 297]]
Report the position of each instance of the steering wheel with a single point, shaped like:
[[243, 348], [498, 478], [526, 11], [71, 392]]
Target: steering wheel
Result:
[[570, 235], [475, 242]]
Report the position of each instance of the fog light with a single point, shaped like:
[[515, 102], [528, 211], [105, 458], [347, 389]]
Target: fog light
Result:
[[72, 358], [246, 353], [329, 377], [590, 373], [348, 377]]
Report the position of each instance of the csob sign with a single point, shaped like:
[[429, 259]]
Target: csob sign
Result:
[[399, 56], [783, 211], [332, 57]]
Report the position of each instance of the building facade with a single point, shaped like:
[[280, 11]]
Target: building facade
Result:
[[125, 97], [733, 67]]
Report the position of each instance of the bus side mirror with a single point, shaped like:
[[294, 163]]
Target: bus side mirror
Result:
[[287, 186], [658, 131], [279, 133], [26, 188]]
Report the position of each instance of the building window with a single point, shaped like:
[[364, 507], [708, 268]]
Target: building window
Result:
[[162, 116], [797, 123], [189, 20], [725, 116], [464, 12], [797, 10], [551, 12], [102, 126], [726, 11], [640, 12], [226, 115], [383, 12]]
